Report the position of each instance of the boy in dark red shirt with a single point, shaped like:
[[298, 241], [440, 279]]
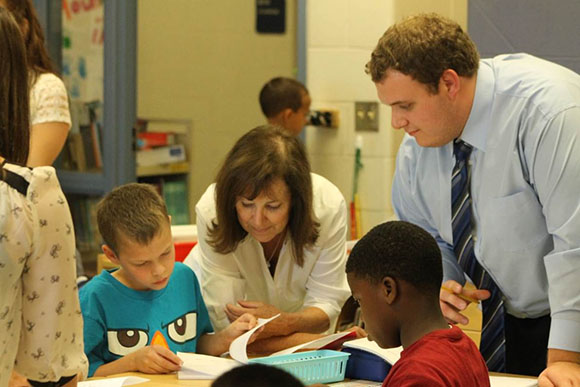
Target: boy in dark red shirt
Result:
[[395, 274]]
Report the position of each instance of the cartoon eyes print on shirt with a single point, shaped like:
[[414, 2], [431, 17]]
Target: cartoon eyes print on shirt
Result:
[[183, 328], [124, 341]]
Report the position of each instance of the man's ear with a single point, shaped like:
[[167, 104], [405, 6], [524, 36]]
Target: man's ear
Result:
[[390, 289], [110, 254], [450, 82]]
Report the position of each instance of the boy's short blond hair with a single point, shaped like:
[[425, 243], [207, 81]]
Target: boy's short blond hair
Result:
[[135, 211]]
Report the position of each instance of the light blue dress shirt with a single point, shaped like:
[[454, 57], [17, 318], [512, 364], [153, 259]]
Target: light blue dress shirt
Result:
[[524, 127]]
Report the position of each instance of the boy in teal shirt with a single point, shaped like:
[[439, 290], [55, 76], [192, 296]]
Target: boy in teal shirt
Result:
[[137, 316]]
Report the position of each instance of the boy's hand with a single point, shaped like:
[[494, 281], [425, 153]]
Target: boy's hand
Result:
[[241, 325], [155, 359], [451, 302], [360, 333]]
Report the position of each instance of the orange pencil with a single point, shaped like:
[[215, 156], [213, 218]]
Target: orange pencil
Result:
[[463, 297]]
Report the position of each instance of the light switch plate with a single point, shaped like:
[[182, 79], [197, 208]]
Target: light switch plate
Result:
[[366, 116]]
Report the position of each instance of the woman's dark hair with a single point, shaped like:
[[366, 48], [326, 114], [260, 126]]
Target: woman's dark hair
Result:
[[14, 115], [36, 54], [258, 158]]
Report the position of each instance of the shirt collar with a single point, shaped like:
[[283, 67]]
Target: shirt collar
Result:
[[477, 126]]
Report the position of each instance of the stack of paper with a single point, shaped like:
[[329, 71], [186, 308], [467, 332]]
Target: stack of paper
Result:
[[197, 366], [209, 367]]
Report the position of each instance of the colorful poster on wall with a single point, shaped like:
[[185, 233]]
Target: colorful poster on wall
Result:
[[82, 51]]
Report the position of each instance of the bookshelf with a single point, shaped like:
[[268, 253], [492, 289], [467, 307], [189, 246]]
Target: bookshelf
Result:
[[170, 178], [114, 30]]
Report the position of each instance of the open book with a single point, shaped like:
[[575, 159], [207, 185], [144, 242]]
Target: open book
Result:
[[390, 355], [197, 366]]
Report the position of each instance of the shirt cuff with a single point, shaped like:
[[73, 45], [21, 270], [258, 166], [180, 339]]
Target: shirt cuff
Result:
[[564, 335]]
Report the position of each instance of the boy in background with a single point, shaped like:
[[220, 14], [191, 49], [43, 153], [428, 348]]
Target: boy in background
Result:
[[137, 316], [395, 274], [285, 102]]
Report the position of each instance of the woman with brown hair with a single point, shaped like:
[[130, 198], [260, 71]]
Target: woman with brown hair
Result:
[[49, 111], [272, 240], [39, 305]]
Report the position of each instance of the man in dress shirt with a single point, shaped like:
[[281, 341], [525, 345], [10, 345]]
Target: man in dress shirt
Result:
[[521, 116]]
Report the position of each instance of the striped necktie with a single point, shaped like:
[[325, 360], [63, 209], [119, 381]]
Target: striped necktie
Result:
[[492, 345]]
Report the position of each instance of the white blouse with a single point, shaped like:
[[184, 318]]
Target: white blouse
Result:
[[244, 273], [49, 100], [40, 318]]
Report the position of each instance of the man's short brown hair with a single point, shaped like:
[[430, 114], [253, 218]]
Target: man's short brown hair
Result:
[[423, 47], [135, 211]]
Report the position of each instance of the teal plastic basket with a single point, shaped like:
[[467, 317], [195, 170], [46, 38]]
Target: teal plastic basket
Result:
[[322, 366]]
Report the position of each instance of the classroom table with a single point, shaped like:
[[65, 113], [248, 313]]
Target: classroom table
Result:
[[171, 379], [162, 380]]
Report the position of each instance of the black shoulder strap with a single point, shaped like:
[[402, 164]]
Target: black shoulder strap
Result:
[[14, 180]]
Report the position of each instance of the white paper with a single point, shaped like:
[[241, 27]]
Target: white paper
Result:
[[357, 383], [314, 344], [113, 382], [510, 381], [238, 346], [391, 355], [196, 366]]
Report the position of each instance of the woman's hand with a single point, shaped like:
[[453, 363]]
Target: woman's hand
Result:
[[255, 308]]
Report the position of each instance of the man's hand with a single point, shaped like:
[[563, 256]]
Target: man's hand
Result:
[[451, 302], [560, 374], [155, 359]]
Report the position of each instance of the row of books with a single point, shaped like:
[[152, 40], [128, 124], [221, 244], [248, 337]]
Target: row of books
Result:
[[84, 151], [174, 192], [84, 213]]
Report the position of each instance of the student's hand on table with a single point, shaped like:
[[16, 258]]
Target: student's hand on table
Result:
[[17, 380], [452, 304], [155, 359], [560, 374]]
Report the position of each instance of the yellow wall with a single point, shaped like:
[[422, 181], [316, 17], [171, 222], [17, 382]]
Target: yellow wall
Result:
[[202, 60]]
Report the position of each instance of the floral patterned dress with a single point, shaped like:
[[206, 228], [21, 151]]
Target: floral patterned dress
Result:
[[40, 317]]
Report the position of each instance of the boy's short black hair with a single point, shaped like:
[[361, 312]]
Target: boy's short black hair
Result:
[[256, 375], [281, 93], [400, 250]]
